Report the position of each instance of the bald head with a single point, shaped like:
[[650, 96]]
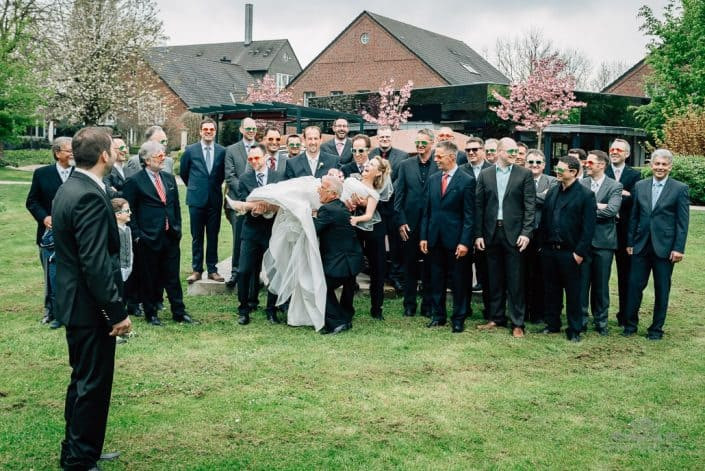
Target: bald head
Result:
[[507, 150]]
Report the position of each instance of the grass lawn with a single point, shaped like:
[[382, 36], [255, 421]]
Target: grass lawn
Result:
[[389, 395], [12, 175]]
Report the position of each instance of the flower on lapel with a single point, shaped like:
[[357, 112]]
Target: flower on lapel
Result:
[[320, 165]]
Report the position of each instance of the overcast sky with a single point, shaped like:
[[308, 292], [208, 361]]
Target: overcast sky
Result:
[[604, 30]]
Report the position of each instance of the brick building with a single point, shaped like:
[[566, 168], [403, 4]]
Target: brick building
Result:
[[373, 49], [631, 82]]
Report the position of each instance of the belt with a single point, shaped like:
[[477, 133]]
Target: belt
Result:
[[553, 246], [500, 223]]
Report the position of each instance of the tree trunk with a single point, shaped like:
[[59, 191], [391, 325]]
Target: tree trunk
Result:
[[539, 135]]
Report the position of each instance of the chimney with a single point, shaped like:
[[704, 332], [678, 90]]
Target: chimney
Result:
[[248, 24]]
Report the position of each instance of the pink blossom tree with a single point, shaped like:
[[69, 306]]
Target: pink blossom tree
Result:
[[544, 98], [265, 90], [391, 107]]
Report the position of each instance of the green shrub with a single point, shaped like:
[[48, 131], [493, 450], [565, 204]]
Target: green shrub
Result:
[[22, 157], [689, 169]]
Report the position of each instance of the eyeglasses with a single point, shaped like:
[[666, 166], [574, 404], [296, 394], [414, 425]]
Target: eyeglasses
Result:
[[490, 151], [420, 143], [208, 129], [472, 149], [163, 142], [68, 151], [122, 148], [274, 139], [512, 151], [588, 163], [294, 145], [254, 158], [615, 150], [250, 129], [560, 170], [359, 150], [442, 156], [534, 162], [124, 211], [445, 135]]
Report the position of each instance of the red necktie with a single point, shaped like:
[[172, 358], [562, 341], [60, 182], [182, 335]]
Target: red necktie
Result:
[[162, 195], [444, 183], [272, 163]]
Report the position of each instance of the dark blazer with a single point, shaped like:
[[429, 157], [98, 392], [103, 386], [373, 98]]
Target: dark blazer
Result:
[[329, 148], [518, 206], [546, 182], [395, 158], [149, 214], [298, 166], [448, 219], [203, 189], [350, 168], [628, 179], [666, 225], [114, 180], [255, 227], [577, 219], [468, 168], [87, 256], [610, 193], [45, 182], [410, 192], [341, 253], [235, 167]]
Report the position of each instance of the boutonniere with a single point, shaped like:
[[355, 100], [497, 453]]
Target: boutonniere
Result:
[[320, 165]]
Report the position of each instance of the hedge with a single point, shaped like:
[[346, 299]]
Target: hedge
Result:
[[22, 157], [689, 169]]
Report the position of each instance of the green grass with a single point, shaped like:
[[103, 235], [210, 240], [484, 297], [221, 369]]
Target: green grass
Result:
[[390, 395], [12, 175]]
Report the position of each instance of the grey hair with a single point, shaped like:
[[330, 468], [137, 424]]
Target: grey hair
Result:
[[56, 144], [448, 146], [335, 184], [150, 132], [662, 153], [147, 150], [426, 132], [538, 152], [492, 140], [628, 148]]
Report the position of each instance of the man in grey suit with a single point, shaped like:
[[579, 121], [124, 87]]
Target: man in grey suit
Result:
[[340, 145], [597, 267], [155, 134], [274, 158], [235, 167]]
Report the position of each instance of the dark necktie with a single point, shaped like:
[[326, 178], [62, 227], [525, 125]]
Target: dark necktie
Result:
[[260, 179]]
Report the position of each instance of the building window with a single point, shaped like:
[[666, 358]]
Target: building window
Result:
[[336, 92], [282, 81], [365, 38], [308, 95], [469, 68]]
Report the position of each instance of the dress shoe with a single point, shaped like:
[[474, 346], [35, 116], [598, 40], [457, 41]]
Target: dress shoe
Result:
[[215, 276], [324, 331], [244, 319], [184, 318], [653, 336], [628, 333], [154, 321], [488, 326], [547, 330], [193, 277], [342, 328], [272, 318], [436, 323], [378, 317], [518, 333], [477, 288], [425, 312], [584, 329], [408, 312], [457, 327], [54, 324], [602, 331], [109, 456], [398, 287], [575, 338], [231, 282], [135, 311]]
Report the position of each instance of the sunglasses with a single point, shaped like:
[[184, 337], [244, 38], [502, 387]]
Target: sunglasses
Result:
[[274, 139], [472, 149], [124, 211], [294, 145], [534, 162], [615, 150], [512, 151], [250, 129], [588, 163], [420, 143], [562, 170], [490, 151], [122, 148], [445, 135], [360, 150], [163, 142], [254, 158], [208, 129]]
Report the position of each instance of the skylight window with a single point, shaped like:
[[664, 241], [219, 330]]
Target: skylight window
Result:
[[469, 68]]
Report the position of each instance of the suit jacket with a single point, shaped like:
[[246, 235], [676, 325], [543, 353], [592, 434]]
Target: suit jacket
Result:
[[203, 189], [87, 256], [329, 148], [448, 219], [114, 180], [298, 166], [666, 225], [350, 168], [235, 166], [255, 227], [468, 168], [45, 183], [518, 206], [546, 182], [610, 193], [577, 218], [410, 192], [149, 214], [133, 166], [341, 253], [395, 158], [628, 179]]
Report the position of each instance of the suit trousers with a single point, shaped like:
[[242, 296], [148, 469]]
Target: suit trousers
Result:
[[44, 260], [534, 284], [624, 263], [562, 274], [250, 265], [372, 243], [160, 271], [642, 265], [505, 267], [204, 221], [416, 267], [236, 226], [595, 286], [394, 256], [444, 267], [92, 360], [339, 312], [479, 258]]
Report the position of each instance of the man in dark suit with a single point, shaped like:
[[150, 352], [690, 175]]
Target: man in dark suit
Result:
[[597, 267], [447, 234], [314, 161], [274, 159], [386, 208], [360, 159], [566, 230], [235, 167], [504, 220], [88, 298], [293, 146], [256, 231], [409, 199], [156, 231], [656, 240], [446, 134], [45, 182], [115, 180], [341, 255], [203, 170], [340, 145], [627, 176]]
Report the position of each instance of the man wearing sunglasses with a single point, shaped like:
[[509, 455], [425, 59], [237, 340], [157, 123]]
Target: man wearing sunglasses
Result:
[[409, 197], [340, 145], [293, 146], [153, 134], [504, 212], [491, 150], [314, 161], [619, 153], [273, 158], [115, 180]]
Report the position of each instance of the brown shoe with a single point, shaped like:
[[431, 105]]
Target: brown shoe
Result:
[[193, 277], [490, 325], [216, 277], [518, 333]]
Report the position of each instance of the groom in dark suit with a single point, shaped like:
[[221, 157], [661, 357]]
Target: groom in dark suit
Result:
[[656, 240], [341, 255], [88, 298], [313, 161]]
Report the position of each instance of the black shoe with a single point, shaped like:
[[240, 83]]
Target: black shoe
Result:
[[324, 331], [436, 323], [408, 312], [477, 288], [272, 318], [458, 327], [244, 319], [546, 330], [602, 331], [231, 282], [584, 329], [54, 324], [342, 328], [109, 456], [398, 287], [654, 336], [184, 319], [426, 312], [137, 312], [575, 338], [628, 333], [154, 321], [378, 317]]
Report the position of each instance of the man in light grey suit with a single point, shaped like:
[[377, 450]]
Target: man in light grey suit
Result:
[[235, 167], [155, 134], [596, 268]]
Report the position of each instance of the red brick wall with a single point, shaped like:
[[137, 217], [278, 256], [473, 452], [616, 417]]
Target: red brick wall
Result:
[[633, 83], [349, 66]]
